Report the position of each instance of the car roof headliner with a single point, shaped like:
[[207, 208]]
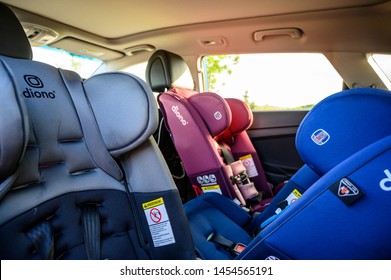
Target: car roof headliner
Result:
[[181, 27], [120, 18]]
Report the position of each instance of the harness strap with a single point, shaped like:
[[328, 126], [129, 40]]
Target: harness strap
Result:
[[91, 227], [93, 137], [226, 154], [43, 240]]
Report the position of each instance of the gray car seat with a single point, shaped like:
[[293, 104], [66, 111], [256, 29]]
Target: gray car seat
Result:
[[80, 175]]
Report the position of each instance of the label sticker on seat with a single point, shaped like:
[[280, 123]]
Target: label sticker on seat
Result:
[[214, 188], [292, 197], [248, 162], [159, 222], [346, 191]]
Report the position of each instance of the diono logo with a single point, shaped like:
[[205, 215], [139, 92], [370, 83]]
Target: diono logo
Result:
[[175, 109], [34, 83]]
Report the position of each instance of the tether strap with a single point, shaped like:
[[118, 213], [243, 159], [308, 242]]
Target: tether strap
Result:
[[226, 154], [43, 240], [91, 228]]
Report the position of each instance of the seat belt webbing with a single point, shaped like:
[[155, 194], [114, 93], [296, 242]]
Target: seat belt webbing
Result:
[[91, 227], [232, 247], [93, 137], [226, 154]]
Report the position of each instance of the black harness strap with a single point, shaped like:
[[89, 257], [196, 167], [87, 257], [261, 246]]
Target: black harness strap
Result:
[[91, 227]]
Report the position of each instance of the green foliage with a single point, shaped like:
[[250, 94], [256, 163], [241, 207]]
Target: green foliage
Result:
[[217, 64], [246, 99]]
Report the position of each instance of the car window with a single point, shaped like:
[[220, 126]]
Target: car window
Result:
[[289, 81], [137, 69], [84, 66], [381, 63]]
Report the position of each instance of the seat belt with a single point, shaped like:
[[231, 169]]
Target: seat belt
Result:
[[234, 248]]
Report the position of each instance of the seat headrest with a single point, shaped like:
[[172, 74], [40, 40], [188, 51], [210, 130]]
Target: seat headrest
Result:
[[166, 70], [214, 111], [136, 113], [341, 125], [242, 119], [14, 43]]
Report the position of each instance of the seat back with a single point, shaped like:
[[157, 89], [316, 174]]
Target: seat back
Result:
[[198, 123], [75, 180], [344, 215], [193, 137]]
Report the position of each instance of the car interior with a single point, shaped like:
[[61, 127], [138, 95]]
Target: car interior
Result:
[[139, 131]]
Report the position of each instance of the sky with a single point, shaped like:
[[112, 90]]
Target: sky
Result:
[[282, 80]]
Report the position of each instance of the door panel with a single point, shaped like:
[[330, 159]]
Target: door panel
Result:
[[273, 135]]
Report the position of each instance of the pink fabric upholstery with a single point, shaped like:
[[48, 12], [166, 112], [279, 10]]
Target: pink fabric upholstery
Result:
[[198, 121]]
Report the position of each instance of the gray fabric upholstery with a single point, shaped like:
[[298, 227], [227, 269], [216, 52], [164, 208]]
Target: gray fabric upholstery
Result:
[[137, 111], [13, 132], [58, 139], [56, 150]]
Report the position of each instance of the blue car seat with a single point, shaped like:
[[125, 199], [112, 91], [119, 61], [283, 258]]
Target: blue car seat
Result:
[[344, 141]]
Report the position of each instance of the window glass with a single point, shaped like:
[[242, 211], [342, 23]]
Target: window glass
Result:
[[272, 81], [137, 69], [84, 66], [381, 63]]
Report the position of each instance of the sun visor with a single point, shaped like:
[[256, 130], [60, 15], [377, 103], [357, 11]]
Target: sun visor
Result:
[[86, 49]]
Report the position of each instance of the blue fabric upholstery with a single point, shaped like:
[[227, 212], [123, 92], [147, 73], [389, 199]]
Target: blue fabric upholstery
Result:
[[321, 226], [214, 213], [352, 119]]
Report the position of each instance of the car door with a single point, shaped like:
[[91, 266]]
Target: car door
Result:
[[273, 136]]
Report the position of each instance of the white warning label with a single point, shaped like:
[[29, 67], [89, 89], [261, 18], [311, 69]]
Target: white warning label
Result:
[[248, 162], [159, 222]]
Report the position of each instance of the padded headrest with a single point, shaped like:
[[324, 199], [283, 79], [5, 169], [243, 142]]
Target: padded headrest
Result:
[[242, 119], [14, 43], [242, 116], [341, 125], [214, 110], [14, 126], [136, 114], [166, 70]]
